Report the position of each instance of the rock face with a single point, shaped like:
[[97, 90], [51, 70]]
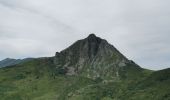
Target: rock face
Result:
[[91, 57]]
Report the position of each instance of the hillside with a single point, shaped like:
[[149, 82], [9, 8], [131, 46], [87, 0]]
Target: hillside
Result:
[[90, 69]]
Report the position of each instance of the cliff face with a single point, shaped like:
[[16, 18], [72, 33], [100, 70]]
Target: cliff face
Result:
[[92, 57]]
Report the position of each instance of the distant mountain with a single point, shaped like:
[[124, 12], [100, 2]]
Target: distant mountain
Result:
[[10, 61], [90, 69]]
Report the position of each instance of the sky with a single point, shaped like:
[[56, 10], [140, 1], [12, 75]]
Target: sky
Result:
[[140, 29]]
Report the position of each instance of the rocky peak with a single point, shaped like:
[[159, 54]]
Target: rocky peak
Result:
[[91, 57], [92, 44], [93, 38], [92, 35]]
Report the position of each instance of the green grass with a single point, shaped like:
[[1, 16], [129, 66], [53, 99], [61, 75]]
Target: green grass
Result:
[[38, 80]]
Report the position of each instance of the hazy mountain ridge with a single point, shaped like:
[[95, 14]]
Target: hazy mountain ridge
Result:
[[10, 61], [90, 69]]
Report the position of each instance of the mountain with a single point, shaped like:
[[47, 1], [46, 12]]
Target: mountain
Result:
[[90, 69], [93, 57], [10, 61]]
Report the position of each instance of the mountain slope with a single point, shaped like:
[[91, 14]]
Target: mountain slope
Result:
[[36, 80], [153, 87], [90, 69]]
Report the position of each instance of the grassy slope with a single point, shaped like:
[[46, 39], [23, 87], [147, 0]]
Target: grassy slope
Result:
[[37, 80], [156, 86]]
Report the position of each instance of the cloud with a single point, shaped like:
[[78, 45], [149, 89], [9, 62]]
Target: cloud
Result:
[[139, 29]]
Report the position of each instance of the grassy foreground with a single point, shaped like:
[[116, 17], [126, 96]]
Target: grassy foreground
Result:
[[38, 80]]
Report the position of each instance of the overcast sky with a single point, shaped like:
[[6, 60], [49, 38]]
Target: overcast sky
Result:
[[140, 29]]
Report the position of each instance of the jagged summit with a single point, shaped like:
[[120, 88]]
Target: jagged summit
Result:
[[92, 36], [91, 57], [93, 43]]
